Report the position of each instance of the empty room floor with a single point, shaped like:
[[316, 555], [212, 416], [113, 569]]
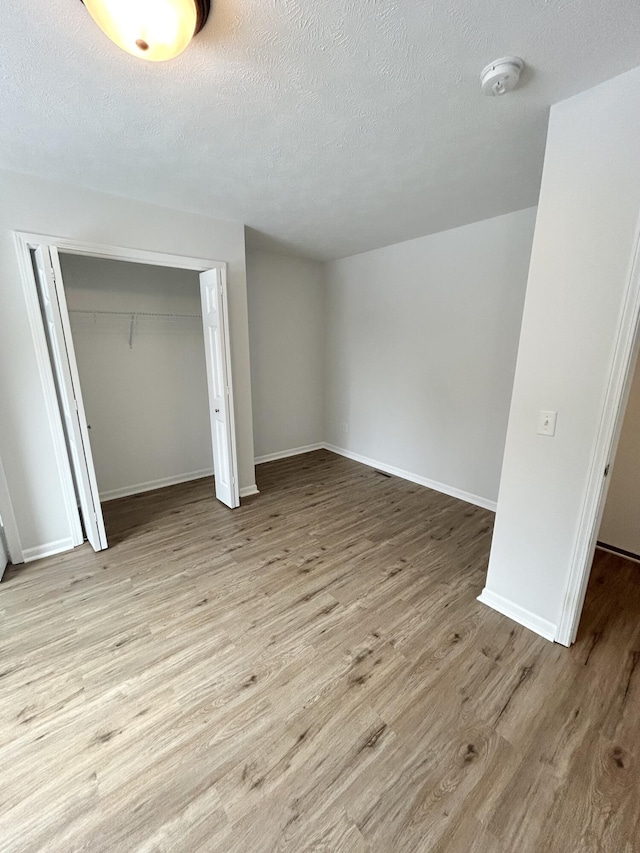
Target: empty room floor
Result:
[[309, 672]]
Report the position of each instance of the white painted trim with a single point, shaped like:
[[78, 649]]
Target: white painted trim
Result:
[[284, 454], [48, 549], [453, 492], [30, 292], [9, 525], [247, 491], [139, 488], [609, 549], [614, 405], [119, 253], [519, 614]]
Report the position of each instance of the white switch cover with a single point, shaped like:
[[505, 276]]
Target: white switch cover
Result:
[[547, 423]]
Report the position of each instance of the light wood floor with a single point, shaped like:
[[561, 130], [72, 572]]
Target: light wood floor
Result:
[[309, 672]]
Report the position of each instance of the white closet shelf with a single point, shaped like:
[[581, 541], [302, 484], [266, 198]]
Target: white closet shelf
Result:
[[132, 313], [133, 317]]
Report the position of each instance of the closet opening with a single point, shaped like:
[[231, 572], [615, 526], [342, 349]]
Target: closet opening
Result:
[[582, 581], [619, 531], [612, 601], [134, 354]]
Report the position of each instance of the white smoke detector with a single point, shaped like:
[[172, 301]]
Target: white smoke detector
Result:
[[501, 76]]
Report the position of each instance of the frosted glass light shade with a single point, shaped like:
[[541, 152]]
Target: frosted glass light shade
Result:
[[149, 29]]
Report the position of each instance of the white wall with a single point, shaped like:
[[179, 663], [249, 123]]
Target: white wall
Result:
[[147, 403], [580, 264], [421, 346], [35, 205], [620, 525], [286, 330]]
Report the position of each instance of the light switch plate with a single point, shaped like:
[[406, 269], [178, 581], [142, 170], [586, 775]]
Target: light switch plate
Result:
[[547, 423]]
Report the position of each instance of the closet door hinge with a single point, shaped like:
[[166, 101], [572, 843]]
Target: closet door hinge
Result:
[[606, 471]]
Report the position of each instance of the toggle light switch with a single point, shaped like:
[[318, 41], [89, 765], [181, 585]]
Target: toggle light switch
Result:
[[547, 423]]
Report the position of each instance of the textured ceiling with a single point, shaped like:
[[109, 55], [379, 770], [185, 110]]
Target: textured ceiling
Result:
[[327, 127]]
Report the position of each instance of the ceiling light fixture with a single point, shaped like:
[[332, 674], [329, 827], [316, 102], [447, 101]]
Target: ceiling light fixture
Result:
[[150, 29], [501, 75]]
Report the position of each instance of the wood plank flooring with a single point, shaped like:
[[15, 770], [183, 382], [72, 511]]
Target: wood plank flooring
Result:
[[310, 672]]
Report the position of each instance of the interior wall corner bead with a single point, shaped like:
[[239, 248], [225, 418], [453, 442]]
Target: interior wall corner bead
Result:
[[155, 30]]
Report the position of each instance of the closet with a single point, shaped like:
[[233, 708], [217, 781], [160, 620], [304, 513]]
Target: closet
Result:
[[139, 346], [135, 359]]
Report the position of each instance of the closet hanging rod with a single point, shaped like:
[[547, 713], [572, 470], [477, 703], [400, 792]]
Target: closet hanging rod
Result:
[[133, 313]]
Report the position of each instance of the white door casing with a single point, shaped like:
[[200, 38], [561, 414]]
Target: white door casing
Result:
[[67, 380], [213, 292]]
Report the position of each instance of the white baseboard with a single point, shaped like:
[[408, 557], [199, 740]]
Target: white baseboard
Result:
[[48, 549], [284, 454], [618, 552], [519, 614], [485, 503], [155, 484], [247, 491]]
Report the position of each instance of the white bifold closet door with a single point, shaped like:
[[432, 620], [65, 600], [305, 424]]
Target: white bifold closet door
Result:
[[213, 292], [67, 381]]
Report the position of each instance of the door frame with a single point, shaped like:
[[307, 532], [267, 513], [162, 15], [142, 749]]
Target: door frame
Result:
[[625, 355], [24, 243]]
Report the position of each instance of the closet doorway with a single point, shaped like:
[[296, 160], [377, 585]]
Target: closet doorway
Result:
[[53, 319], [620, 526]]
